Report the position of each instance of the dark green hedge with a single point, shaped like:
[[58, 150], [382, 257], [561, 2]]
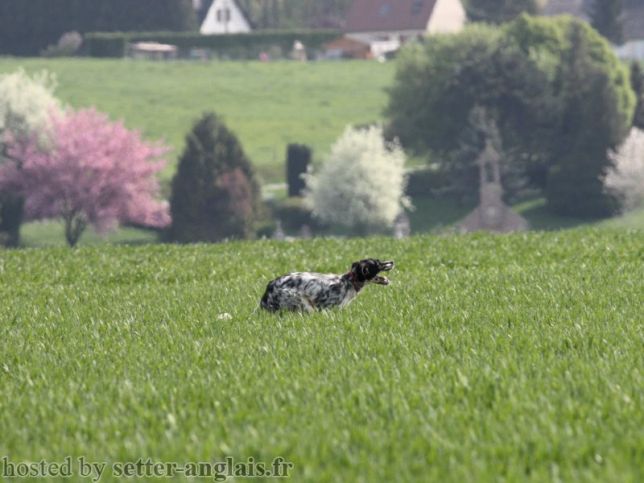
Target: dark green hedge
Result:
[[426, 182], [298, 159], [104, 44], [294, 214], [29, 26]]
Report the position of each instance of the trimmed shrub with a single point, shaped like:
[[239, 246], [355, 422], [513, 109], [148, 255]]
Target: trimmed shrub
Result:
[[294, 213], [298, 159], [11, 217], [215, 195]]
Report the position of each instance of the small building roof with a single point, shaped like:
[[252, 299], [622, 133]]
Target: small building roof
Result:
[[388, 15]]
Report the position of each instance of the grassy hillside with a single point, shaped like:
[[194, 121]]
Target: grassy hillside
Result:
[[267, 105], [489, 358]]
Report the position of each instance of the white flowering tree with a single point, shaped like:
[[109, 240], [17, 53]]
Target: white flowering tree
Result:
[[362, 183], [26, 103], [626, 177]]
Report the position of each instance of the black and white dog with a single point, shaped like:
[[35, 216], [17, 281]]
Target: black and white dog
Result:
[[306, 291]]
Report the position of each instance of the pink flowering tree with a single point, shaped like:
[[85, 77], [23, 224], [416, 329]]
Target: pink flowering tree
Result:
[[87, 170]]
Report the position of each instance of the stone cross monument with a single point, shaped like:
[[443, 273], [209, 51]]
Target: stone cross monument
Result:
[[492, 214]]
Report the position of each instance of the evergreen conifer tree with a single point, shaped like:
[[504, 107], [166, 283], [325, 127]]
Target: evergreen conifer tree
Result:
[[214, 194]]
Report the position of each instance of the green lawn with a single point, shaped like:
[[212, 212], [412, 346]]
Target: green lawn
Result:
[[488, 358], [631, 220], [267, 105], [429, 216], [52, 233]]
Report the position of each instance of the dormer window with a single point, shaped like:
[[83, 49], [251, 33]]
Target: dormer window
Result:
[[223, 15]]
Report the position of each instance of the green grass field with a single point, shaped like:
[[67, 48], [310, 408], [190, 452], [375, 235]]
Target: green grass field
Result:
[[434, 216], [267, 105], [489, 358]]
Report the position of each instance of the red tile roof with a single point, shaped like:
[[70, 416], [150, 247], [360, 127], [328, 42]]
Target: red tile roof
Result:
[[387, 15]]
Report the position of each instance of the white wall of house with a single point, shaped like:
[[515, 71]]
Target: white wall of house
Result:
[[448, 17], [224, 17], [633, 50]]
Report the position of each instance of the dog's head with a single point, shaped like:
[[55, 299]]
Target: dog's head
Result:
[[367, 270]]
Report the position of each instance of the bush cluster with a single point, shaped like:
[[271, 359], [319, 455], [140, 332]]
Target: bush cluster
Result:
[[294, 213], [243, 45]]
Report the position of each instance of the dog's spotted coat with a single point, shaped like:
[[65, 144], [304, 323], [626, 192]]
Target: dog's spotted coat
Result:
[[306, 291]]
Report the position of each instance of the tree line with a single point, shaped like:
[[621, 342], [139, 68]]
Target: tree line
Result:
[[606, 16], [560, 97], [29, 26]]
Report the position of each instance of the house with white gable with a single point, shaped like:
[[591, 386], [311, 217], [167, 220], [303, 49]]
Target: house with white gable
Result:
[[224, 17], [386, 24]]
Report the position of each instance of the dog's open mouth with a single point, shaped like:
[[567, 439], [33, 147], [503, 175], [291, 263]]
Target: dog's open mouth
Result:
[[379, 280]]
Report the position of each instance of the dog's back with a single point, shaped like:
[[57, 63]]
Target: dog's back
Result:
[[304, 291]]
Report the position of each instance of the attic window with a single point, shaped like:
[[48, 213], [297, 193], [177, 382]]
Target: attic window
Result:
[[223, 15], [417, 7], [385, 10]]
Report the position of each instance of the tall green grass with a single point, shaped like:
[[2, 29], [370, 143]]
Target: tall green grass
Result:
[[488, 358]]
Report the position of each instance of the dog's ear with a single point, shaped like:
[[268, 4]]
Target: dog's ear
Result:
[[359, 274]]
